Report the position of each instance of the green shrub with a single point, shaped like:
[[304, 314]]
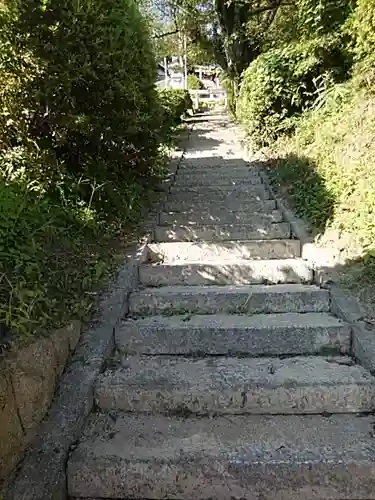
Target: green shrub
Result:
[[174, 103], [91, 100], [283, 82], [318, 17], [362, 27], [328, 167], [80, 132], [194, 83]]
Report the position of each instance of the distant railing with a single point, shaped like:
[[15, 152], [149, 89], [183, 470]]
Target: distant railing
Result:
[[208, 96]]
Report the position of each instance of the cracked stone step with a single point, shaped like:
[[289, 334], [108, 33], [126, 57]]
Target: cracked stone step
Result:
[[220, 334], [234, 205], [245, 299], [245, 272], [249, 457], [219, 216], [224, 251], [215, 195], [301, 385], [222, 232]]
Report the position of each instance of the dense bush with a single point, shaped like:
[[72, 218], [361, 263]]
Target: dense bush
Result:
[[282, 82], [317, 17], [80, 133], [194, 83], [92, 100]]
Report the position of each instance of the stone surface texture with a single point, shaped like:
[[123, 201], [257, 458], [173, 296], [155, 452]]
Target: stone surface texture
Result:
[[237, 386], [28, 375], [246, 299], [243, 457], [218, 334], [226, 251], [218, 272]]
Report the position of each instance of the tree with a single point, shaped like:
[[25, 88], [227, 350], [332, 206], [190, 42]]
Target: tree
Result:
[[231, 32]]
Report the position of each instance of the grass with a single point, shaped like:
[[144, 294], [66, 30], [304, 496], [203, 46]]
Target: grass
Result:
[[55, 255]]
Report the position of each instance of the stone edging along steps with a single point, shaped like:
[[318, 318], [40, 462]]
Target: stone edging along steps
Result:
[[232, 374]]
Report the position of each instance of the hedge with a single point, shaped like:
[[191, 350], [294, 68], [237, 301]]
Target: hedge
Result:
[[80, 135]]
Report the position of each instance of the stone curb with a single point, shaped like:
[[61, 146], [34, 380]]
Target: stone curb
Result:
[[41, 475], [343, 305]]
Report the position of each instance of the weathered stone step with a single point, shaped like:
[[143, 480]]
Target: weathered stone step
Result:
[[224, 251], [239, 169], [246, 299], [245, 272], [222, 232], [207, 181], [234, 205], [214, 162], [249, 457], [260, 334], [215, 195], [219, 216], [229, 173], [301, 385]]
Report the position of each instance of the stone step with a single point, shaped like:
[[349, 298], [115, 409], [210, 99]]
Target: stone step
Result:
[[229, 166], [219, 216], [215, 386], [222, 232], [208, 181], [223, 170], [219, 334], [246, 299], [215, 195], [223, 251], [215, 162], [249, 457], [235, 205], [228, 172], [245, 272]]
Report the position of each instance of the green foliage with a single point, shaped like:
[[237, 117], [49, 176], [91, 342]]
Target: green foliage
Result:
[[328, 166], [80, 149], [283, 82], [361, 26], [175, 103], [194, 83], [48, 260], [302, 182], [319, 17], [93, 99]]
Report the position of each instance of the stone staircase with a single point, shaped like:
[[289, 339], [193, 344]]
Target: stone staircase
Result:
[[231, 378]]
